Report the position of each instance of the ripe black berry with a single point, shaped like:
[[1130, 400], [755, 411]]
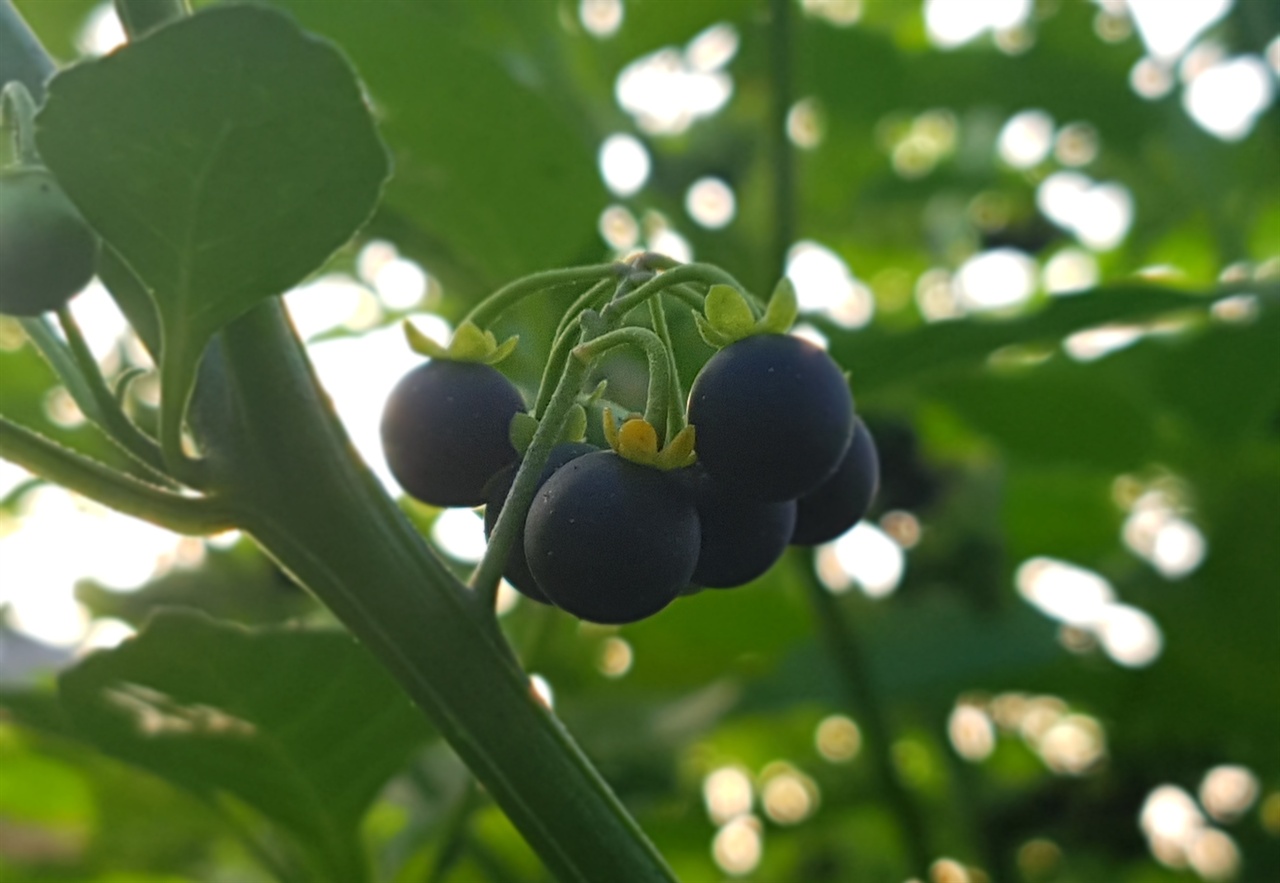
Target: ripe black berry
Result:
[[773, 416], [741, 539], [445, 430], [611, 541], [517, 569], [47, 252], [842, 500]]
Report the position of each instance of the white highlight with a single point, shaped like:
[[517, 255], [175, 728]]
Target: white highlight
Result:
[[624, 164], [996, 279], [710, 202], [1227, 99], [1168, 29], [824, 283], [871, 559], [1026, 139], [1098, 214], [952, 23], [460, 534]]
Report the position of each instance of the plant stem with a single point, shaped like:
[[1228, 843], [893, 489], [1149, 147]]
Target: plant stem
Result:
[[675, 402], [707, 274], [51, 461], [107, 411], [140, 17], [278, 450], [783, 159], [510, 521], [865, 704], [513, 292], [658, 399]]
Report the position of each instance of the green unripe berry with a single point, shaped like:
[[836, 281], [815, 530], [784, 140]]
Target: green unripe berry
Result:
[[47, 251]]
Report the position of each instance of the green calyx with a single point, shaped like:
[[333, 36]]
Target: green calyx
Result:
[[469, 344], [728, 317], [636, 440], [525, 426]]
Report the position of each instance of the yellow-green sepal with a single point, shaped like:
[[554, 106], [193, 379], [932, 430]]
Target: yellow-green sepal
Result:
[[782, 310], [521, 431], [728, 316], [636, 440], [468, 344]]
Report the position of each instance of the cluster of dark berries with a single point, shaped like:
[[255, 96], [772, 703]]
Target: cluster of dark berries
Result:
[[613, 536]]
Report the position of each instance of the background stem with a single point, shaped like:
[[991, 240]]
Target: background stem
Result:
[[864, 701], [784, 183]]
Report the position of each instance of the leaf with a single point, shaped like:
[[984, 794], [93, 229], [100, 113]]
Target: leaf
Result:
[[300, 725], [878, 358], [783, 308], [224, 158], [493, 176]]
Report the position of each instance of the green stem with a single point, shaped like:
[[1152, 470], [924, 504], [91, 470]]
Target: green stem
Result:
[[853, 670], [675, 402], [707, 274], [276, 447], [513, 292], [658, 400], [107, 411], [141, 17], [593, 298], [783, 154], [51, 461], [18, 119], [510, 521]]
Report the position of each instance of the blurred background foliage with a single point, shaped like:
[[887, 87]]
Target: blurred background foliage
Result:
[[1044, 239]]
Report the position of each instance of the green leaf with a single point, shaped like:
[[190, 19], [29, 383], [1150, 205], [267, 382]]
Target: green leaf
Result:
[[521, 431], [300, 725], [493, 177], [225, 158], [710, 336], [878, 358]]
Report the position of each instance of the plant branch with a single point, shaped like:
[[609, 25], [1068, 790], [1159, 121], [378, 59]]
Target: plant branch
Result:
[[675, 401], [107, 411], [865, 704], [657, 401], [513, 292], [506, 529], [18, 120], [51, 461], [707, 274]]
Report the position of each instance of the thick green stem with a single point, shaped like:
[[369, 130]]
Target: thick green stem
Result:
[[707, 274], [512, 293], [51, 461], [864, 701], [141, 17], [675, 401], [276, 447], [658, 400]]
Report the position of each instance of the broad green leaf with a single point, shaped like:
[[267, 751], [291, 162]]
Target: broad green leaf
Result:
[[224, 158], [493, 177], [301, 725], [878, 358]]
